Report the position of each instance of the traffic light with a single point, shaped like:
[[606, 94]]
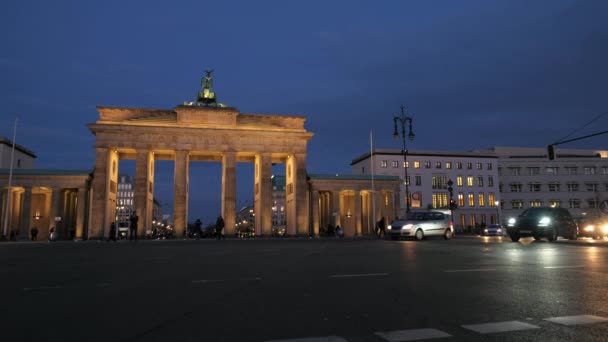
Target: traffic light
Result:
[[453, 205], [551, 152]]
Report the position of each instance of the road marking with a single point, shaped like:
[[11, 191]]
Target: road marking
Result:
[[208, 281], [574, 320], [358, 275], [412, 335], [487, 328], [472, 270], [577, 266], [314, 339], [42, 288]]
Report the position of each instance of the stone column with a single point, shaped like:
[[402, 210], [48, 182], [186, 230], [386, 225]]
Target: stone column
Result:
[[263, 194], [26, 214], [397, 204], [229, 192], [180, 195], [144, 190], [104, 185], [3, 214], [378, 197], [315, 212], [301, 194], [56, 207], [80, 213], [335, 207], [358, 213]]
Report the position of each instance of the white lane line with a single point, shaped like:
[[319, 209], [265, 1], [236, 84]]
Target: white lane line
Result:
[[574, 320], [411, 335], [314, 339], [208, 281], [472, 270], [577, 266], [487, 328], [42, 288], [358, 275]]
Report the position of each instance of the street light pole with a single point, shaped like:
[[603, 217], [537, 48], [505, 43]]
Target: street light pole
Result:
[[404, 119], [497, 204]]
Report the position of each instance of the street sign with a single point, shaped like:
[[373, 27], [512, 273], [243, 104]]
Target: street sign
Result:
[[604, 207]]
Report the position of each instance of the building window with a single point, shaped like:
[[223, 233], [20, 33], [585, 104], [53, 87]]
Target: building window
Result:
[[500, 187], [605, 170], [427, 164], [552, 170], [469, 166], [536, 203], [395, 163], [462, 220], [481, 199], [532, 171], [480, 181], [459, 166], [554, 187], [555, 203], [471, 200], [491, 200], [470, 181], [460, 199], [473, 220], [440, 200], [490, 181], [515, 187], [416, 165], [571, 170], [448, 165], [574, 203], [479, 166], [593, 203], [407, 181], [489, 166], [19, 163], [500, 171], [406, 164], [591, 186], [459, 180], [572, 187], [418, 180], [438, 165], [439, 182], [362, 171], [517, 204], [589, 170], [384, 163], [534, 187]]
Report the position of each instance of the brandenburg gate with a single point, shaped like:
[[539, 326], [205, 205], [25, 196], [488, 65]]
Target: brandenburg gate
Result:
[[198, 133]]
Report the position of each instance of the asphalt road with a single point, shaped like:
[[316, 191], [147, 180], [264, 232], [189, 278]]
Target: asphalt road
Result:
[[305, 290]]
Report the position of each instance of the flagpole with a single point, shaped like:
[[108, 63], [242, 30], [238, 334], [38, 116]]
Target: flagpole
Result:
[[10, 180], [371, 156]]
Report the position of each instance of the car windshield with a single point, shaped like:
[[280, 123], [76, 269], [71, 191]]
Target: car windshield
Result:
[[534, 212], [418, 216]]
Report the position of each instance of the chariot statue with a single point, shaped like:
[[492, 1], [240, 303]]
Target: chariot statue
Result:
[[205, 95]]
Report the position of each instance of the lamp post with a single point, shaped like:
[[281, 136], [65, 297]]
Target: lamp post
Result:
[[497, 204], [404, 120]]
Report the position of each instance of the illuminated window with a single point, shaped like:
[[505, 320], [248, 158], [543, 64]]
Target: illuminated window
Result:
[[552, 170], [459, 180], [517, 204], [440, 200], [471, 200], [406, 164], [536, 203], [384, 163], [448, 165], [481, 200], [416, 165], [491, 200], [473, 220], [470, 181], [555, 203], [460, 199]]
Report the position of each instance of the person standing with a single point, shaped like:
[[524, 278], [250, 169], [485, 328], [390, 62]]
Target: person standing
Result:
[[34, 233], [133, 226], [219, 228], [112, 232]]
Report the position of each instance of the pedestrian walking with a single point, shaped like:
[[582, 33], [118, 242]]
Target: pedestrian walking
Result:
[[112, 232], [133, 226], [52, 234], [34, 233], [219, 228], [381, 228]]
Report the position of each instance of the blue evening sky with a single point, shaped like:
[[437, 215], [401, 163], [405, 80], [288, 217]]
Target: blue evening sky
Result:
[[474, 74]]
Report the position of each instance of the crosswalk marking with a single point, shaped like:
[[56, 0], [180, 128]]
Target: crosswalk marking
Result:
[[487, 328], [412, 335], [574, 320], [314, 339]]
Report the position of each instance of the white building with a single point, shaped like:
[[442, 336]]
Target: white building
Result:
[[279, 221], [474, 176], [124, 201], [575, 179], [22, 159]]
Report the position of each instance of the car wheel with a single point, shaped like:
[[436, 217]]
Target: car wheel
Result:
[[419, 234], [448, 234], [514, 237], [552, 235]]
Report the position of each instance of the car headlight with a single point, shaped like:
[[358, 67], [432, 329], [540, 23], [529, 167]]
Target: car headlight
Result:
[[590, 228], [605, 228], [485, 230], [545, 221], [499, 230], [511, 222], [407, 226]]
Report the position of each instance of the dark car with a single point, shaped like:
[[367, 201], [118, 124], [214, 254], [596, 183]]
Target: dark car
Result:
[[540, 222], [593, 227]]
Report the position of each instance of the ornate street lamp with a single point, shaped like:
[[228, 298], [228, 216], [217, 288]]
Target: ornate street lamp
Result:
[[404, 120]]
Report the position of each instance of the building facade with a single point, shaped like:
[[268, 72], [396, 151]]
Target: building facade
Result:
[[278, 204], [124, 201], [576, 179], [474, 176], [23, 158]]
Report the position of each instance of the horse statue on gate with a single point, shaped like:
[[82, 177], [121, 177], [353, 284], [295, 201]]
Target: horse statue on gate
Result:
[[206, 96]]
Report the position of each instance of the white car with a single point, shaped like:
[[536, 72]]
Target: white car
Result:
[[421, 225]]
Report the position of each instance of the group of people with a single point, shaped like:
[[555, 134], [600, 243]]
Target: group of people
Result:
[[133, 220]]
